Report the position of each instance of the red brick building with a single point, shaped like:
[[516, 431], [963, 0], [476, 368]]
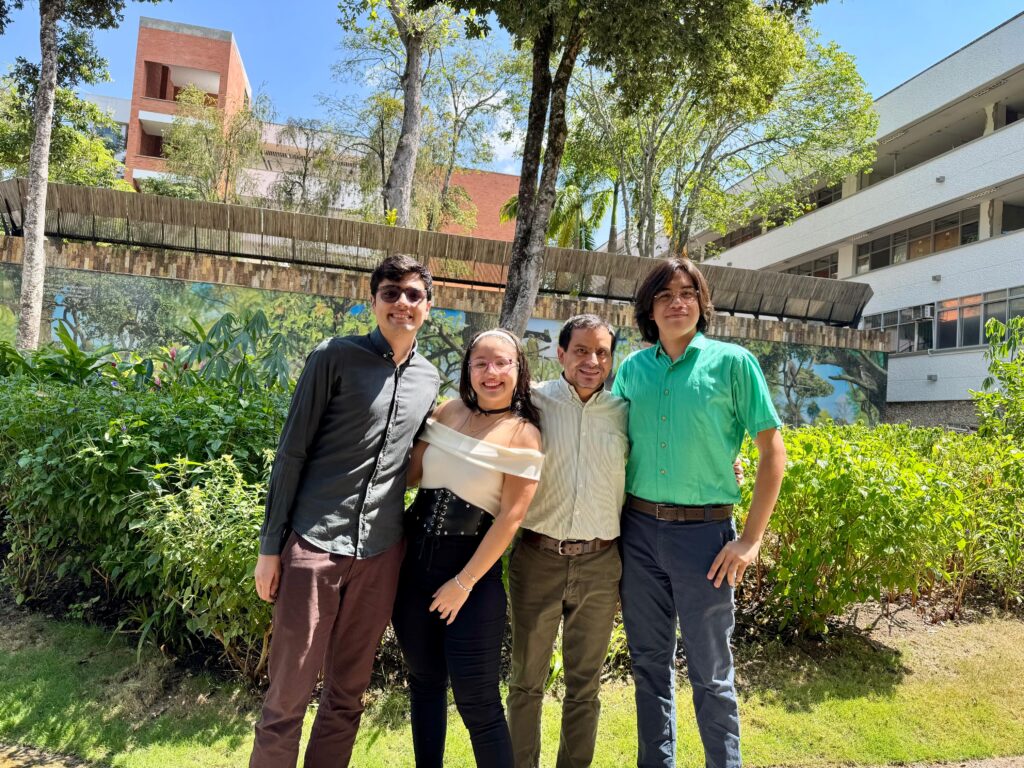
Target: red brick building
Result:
[[488, 191], [169, 56]]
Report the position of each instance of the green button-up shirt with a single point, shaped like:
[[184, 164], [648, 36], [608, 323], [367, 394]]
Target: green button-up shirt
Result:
[[687, 419]]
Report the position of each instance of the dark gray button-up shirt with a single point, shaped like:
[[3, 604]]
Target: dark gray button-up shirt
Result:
[[338, 479]]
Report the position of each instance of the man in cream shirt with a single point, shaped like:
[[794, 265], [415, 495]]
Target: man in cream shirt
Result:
[[566, 567]]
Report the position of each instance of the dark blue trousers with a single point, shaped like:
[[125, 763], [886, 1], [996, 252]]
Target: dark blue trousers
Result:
[[664, 570]]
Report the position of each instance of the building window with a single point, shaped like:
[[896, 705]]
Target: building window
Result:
[[970, 324], [947, 328], [948, 324], [969, 226], [737, 236], [817, 199], [912, 326], [914, 243], [826, 196], [150, 145], [826, 266], [157, 84]]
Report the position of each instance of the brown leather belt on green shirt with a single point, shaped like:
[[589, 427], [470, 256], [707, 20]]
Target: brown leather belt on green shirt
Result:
[[569, 547], [677, 513]]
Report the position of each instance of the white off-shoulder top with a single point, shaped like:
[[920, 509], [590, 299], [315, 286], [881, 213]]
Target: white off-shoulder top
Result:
[[473, 469]]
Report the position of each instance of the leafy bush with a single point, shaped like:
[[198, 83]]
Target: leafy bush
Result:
[[72, 457], [854, 521], [201, 536], [869, 513], [83, 435], [981, 539], [1000, 404], [140, 481]]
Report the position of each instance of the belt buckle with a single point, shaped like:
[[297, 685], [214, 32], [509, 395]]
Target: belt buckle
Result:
[[657, 512], [570, 542]]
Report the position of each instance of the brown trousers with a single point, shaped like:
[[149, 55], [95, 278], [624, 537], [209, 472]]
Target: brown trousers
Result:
[[330, 613], [580, 593]]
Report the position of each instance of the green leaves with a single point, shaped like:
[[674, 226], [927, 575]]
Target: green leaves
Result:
[[78, 500], [868, 513], [1000, 402]]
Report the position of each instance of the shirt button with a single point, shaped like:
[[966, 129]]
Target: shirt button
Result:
[[664, 418], [663, 471], [666, 391], [664, 445]]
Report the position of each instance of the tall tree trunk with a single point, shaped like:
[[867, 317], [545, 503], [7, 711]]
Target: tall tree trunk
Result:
[[524, 271], [436, 219], [398, 188], [33, 270], [613, 230]]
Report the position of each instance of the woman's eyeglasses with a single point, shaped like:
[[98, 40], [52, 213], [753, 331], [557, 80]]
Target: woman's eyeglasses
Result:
[[500, 366], [390, 294]]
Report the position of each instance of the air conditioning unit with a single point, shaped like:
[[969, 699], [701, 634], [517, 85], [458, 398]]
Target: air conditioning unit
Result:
[[929, 310]]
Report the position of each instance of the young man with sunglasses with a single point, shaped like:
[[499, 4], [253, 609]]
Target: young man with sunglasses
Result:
[[691, 399], [331, 543]]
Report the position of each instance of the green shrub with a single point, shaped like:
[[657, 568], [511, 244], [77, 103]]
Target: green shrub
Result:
[[71, 457], [201, 539], [1000, 404], [854, 521], [981, 539]]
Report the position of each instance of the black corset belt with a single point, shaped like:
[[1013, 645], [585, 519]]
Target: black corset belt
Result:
[[439, 512]]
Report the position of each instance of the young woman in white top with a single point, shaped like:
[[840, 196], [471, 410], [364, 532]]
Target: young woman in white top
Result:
[[477, 464]]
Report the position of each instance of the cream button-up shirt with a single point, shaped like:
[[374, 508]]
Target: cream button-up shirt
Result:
[[585, 446]]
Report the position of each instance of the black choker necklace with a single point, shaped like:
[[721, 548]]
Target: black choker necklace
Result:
[[493, 411]]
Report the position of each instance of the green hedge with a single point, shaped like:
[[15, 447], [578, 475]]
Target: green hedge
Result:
[[873, 512]]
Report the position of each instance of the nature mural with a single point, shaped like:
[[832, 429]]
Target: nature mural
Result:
[[809, 384]]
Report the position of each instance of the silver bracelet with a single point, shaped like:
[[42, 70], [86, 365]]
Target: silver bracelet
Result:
[[461, 585]]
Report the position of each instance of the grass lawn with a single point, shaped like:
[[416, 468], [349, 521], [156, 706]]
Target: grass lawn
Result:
[[912, 693]]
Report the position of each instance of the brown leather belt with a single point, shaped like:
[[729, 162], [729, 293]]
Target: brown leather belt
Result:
[[568, 547], [677, 513]]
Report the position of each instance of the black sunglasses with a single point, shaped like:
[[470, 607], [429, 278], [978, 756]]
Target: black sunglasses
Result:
[[390, 294]]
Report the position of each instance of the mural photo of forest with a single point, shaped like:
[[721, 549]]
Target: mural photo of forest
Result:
[[809, 384]]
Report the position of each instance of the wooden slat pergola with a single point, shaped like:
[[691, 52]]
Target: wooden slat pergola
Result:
[[105, 215]]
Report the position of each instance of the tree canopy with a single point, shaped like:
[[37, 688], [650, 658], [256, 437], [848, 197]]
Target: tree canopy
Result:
[[642, 46], [718, 155], [209, 150]]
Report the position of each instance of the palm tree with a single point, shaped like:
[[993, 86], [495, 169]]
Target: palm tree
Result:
[[575, 215]]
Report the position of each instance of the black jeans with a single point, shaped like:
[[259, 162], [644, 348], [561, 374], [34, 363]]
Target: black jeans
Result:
[[467, 652]]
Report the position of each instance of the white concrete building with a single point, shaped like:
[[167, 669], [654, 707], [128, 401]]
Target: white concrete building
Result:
[[936, 228]]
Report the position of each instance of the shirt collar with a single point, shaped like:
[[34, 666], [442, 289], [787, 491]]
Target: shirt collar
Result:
[[697, 343], [381, 345], [569, 391]]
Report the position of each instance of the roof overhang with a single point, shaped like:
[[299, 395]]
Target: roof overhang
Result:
[[106, 215]]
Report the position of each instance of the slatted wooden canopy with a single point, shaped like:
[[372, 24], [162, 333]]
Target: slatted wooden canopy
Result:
[[104, 215]]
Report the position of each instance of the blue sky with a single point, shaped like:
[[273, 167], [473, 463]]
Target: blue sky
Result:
[[289, 48]]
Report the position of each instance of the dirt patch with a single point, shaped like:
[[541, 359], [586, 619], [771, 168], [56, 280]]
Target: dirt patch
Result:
[[26, 757]]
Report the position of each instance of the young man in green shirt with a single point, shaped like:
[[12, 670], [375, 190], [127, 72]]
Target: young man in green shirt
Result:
[[691, 401]]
